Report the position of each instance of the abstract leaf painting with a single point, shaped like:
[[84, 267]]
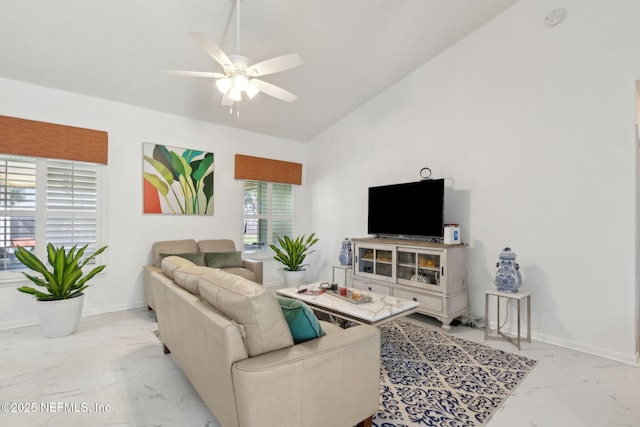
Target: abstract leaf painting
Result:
[[177, 181]]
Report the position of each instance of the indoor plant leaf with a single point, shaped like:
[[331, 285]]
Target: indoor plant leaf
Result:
[[66, 279], [34, 292], [292, 252]]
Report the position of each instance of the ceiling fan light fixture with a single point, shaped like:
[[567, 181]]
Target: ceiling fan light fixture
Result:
[[234, 94], [251, 90], [224, 84], [240, 81]]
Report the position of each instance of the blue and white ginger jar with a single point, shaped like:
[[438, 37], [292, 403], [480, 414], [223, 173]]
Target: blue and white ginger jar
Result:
[[508, 277], [346, 256]]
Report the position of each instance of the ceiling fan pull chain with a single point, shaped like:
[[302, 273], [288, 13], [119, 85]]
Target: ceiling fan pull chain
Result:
[[237, 105]]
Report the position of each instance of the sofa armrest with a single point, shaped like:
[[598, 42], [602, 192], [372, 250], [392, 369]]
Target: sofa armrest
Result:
[[146, 284], [255, 266], [329, 381]]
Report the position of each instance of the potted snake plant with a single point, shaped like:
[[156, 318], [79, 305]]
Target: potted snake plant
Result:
[[60, 290], [291, 253]]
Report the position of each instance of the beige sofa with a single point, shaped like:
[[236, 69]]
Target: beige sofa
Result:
[[249, 269], [229, 337]]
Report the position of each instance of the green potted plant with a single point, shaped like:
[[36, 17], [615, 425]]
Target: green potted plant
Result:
[[291, 253], [61, 297]]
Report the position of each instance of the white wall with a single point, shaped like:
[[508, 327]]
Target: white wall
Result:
[[533, 128], [130, 233]]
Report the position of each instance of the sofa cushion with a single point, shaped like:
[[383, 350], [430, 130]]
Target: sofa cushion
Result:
[[216, 245], [172, 247], [171, 263], [243, 272], [250, 305], [195, 257], [303, 323], [223, 259], [187, 277]]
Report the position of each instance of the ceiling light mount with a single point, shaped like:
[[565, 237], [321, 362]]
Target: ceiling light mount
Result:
[[555, 17]]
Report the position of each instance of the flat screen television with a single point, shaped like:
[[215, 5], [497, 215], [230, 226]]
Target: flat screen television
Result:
[[409, 210]]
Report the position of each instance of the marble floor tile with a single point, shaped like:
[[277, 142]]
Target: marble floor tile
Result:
[[112, 372], [566, 388]]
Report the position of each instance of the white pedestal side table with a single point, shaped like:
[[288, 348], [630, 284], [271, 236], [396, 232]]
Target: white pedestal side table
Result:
[[344, 268], [516, 296]]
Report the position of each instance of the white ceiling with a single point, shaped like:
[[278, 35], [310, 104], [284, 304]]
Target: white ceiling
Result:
[[117, 50]]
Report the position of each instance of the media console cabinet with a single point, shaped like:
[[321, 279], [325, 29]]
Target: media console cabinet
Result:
[[433, 274]]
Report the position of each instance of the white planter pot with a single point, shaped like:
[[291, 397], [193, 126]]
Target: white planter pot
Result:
[[293, 278], [61, 317]]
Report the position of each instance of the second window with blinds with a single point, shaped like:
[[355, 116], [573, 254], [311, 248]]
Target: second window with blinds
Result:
[[267, 214]]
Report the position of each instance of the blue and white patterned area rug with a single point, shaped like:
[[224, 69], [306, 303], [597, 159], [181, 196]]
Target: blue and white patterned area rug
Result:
[[430, 378]]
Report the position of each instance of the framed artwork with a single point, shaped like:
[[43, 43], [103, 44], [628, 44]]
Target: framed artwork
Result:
[[177, 181]]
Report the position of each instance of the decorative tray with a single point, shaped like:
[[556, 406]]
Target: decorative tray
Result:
[[363, 298]]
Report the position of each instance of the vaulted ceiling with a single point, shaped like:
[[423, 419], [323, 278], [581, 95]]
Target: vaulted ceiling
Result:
[[117, 50]]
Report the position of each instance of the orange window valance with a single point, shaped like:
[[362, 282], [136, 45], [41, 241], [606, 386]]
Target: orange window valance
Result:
[[261, 169], [39, 139]]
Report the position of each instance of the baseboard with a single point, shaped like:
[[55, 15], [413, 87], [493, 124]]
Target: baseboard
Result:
[[274, 286], [113, 308], [85, 313], [628, 359], [19, 324]]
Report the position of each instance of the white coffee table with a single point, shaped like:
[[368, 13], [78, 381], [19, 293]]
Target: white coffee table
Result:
[[381, 308]]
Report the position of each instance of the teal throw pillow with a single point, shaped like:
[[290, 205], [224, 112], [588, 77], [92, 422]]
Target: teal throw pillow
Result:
[[196, 257], [303, 323], [223, 259]]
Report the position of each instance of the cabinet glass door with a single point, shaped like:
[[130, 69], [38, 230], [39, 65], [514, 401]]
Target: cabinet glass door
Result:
[[406, 265], [419, 268], [374, 261], [384, 263], [365, 260]]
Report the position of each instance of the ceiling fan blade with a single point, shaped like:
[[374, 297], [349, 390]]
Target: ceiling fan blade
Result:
[[275, 91], [205, 74], [212, 49], [275, 65]]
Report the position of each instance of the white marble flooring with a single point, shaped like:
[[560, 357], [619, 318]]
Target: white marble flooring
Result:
[[112, 372]]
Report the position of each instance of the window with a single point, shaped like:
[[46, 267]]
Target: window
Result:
[[46, 200], [267, 214], [18, 208]]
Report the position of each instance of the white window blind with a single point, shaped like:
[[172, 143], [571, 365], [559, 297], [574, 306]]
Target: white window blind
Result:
[[281, 210], [72, 204], [47, 201], [267, 214]]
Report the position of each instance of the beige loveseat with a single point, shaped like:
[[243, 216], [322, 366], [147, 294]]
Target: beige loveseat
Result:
[[249, 269], [243, 363]]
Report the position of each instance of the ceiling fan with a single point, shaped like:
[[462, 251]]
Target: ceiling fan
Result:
[[238, 78]]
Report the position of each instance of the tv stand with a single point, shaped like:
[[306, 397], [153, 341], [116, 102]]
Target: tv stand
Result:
[[434, 274]]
